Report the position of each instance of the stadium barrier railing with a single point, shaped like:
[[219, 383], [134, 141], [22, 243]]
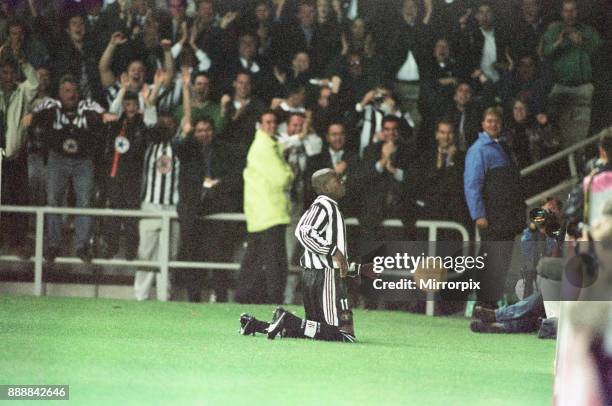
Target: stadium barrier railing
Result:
[[568, 153], [164, 263]]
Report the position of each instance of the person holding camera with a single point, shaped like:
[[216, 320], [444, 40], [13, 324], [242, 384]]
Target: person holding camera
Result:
[[541, 250], [374, 107]]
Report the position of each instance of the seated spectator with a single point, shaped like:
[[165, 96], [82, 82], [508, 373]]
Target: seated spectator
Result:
[[73, 125], [241, 111], [385, 171], [159, 193]]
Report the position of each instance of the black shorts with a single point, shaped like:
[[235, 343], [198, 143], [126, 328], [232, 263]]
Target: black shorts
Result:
[[325, 298]]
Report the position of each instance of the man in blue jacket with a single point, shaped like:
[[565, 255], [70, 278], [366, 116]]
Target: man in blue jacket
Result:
[[494, 198]]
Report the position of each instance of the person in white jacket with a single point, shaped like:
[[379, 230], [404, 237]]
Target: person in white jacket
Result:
[[14, 99]]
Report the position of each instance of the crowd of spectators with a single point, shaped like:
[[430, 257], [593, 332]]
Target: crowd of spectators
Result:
[[117, 103]]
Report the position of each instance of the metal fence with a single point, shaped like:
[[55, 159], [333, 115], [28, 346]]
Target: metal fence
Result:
[[164, 264]]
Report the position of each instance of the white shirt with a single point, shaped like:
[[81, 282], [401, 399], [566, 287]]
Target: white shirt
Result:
[[300, 149], [245, 64], [409, 70], [238, 104], [489, 55], [288, 108], [336, 156], [352, 11]]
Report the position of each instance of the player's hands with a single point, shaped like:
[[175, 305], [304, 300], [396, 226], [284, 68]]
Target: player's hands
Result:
[[341, 260]]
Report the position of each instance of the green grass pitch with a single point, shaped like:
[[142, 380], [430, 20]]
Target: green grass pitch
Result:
[[125, 352]]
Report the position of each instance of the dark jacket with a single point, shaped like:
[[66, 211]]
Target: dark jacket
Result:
[[472, 43], [128, 152], [383, 190], [238, 134], [417, 39], [197, 162], [440, 189]]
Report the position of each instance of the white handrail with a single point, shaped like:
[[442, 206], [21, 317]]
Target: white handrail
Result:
[[163, 263], [567, 152]]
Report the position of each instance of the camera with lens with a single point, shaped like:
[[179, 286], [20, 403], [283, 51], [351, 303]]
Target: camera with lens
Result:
[[545, 220], [573, 212]]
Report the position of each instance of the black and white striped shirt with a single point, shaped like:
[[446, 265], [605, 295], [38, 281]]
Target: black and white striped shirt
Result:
[[321, 231], [161, 174]]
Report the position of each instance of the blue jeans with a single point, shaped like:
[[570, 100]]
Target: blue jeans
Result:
[[522, 317], [61, 172]]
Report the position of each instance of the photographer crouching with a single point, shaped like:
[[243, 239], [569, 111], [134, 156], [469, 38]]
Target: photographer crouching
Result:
[[541, 250]]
